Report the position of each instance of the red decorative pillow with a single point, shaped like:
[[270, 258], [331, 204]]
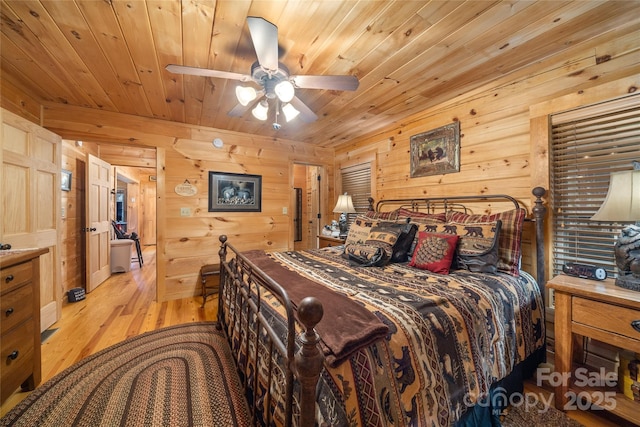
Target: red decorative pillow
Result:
[[434, 252], [509, 240]]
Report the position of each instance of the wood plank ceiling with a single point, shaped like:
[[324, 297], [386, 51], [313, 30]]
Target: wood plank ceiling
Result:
[[408, 55]]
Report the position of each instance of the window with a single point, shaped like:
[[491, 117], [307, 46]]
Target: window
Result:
[[356, 181], [588, 144]]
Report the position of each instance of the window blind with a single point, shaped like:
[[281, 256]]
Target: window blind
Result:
[[356, 181], [587, 145]]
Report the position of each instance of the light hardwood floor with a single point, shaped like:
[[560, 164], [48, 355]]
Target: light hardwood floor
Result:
[[125, 306], [121, 307]]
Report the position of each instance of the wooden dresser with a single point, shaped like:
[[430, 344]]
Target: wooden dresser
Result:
[[20, 320], [599, 310]]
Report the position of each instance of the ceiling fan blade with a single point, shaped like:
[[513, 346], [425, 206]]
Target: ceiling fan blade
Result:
[[265, 41], [326, 82], [306, 114], [239, 110], [195, 71]]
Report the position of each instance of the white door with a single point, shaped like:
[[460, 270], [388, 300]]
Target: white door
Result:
[[98, 227]]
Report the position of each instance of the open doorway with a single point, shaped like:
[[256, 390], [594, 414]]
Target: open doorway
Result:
[[307, 183]]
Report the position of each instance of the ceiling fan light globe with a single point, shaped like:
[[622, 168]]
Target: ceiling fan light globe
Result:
[[290, 112], [285, 91], [245, 94], [261, 110]]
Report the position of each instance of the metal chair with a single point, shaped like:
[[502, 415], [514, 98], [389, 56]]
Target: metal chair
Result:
[[133, 236]]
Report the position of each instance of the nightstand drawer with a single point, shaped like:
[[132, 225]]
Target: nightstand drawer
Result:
[[607, 317]]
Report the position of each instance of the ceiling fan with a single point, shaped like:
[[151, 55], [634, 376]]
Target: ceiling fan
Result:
[[273, 78]]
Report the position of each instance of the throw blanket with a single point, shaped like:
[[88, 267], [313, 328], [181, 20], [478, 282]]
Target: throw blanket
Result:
[[347, 325]]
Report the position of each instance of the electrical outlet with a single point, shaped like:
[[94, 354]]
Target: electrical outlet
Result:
[[284, 210], [185, 211]]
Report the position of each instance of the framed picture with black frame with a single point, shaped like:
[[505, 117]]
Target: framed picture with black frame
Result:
[[234, 192]]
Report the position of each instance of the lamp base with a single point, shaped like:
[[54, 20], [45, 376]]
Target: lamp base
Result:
[[627, 252], [628, 282]]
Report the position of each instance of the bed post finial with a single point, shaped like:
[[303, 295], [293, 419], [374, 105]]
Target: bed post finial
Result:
[[539, 212], [309, 359], [223, 248], [371, 208]]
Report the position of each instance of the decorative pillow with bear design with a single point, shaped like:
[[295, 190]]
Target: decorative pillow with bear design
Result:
[[385, 235], [509, 241], [359, 230], [478, 245]]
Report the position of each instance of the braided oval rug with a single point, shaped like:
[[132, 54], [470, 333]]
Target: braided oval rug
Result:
[[176, 376]]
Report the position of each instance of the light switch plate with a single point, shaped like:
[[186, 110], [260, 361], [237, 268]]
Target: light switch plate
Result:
[[185, 211]]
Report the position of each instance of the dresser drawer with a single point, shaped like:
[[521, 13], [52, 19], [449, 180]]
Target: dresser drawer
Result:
[[12, 277], [607, 317], [16, 307], [16, 370]]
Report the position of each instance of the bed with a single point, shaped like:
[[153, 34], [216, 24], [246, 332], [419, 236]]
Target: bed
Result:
[[401, 341]]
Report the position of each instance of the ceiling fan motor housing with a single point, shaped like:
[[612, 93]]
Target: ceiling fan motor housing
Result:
[[267, 79]]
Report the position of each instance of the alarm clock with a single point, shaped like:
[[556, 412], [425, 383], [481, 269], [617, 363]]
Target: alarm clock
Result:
[[585, 271]]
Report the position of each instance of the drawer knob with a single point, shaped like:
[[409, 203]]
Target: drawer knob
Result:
[[9, 278], [14, 355], [636, 325], [9, 311]]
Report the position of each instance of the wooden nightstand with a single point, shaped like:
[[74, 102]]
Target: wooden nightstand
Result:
[[599, 310], [326, 241]]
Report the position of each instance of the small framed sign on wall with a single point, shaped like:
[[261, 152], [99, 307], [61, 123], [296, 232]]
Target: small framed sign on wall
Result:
[[233, 192], [65, 180]]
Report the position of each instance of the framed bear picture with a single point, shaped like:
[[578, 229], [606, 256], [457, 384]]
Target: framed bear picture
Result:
[[436, 152], [233, 192]]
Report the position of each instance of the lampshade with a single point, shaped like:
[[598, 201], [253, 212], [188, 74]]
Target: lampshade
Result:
[[622, 202], [245, 94], [284, 91], [290, 112], [260, 111], [344, 205]]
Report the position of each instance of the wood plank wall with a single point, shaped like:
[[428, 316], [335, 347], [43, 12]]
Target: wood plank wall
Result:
[[185, 153], [500, 151]]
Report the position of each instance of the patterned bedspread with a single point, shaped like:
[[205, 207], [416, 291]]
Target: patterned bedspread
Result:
[[450, 337]]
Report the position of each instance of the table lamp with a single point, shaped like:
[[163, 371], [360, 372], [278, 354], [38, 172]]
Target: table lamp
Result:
[[344, 207], [622, 203]]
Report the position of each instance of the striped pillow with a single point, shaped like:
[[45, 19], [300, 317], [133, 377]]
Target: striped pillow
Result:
[[408, 213], [387, 216]]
